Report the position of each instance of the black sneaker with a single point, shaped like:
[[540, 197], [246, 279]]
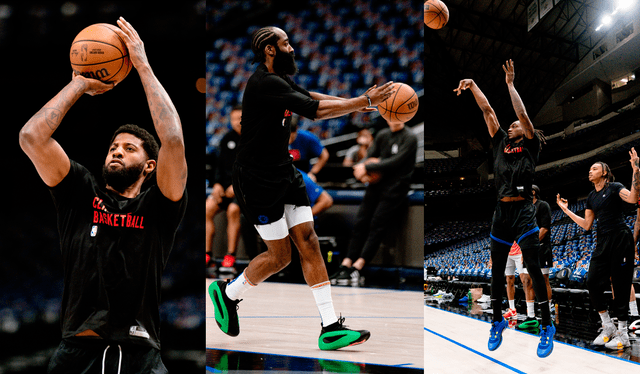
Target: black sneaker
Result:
[[350, 277], [226, 315], [340, 273], [336, 336]]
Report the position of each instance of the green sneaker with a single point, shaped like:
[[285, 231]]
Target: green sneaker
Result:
[[226, 309], [529, 323], [336, 336]]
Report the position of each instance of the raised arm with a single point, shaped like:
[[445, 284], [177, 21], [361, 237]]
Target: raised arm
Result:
[[487, 111], [516, 101], [631, 196], [331, 107], [171, 172], [585, 222], [50, 160]]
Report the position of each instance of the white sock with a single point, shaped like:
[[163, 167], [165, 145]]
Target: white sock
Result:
[[322, 294], [606, 320], [531, 309], [512, 304], [633, 308], [238, 286], [622, 327]]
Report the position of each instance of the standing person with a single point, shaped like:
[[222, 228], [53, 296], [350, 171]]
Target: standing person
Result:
[[358, 152], [222, 196], [515, 154], [545, 257], [271, 191], [514, 261], [392, 156], [115, 240], [303, 146], [612, 259]]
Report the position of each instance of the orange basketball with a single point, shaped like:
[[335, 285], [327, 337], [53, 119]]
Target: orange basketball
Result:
[[98, 52], [436, 14], [401, 106]]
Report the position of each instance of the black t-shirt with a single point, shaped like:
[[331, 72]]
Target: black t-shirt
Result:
[[225, 158], [543, 219], [114, 250], [514, 164], [608, 207], [267, 104], [397, 154]]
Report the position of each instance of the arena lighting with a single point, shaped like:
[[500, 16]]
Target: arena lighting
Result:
[[624, 4], [621, 6]]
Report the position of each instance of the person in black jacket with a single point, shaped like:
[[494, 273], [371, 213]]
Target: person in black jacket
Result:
[[387, 171]]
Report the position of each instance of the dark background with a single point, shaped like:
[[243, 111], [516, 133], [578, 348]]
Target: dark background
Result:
[[35, 39]]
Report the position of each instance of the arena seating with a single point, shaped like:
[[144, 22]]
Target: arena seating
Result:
[[468, 260]]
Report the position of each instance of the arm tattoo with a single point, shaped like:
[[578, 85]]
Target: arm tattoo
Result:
[[636, 180]]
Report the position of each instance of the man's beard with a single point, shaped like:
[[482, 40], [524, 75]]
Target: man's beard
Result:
[[122, 178], [285, 63]]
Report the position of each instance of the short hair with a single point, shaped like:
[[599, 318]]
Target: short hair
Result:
[[149, 143], [261, 38], [236, 107]]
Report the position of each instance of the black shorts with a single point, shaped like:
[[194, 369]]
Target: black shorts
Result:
[[90, 355], [513, 221], [545, 257], [263, 193]]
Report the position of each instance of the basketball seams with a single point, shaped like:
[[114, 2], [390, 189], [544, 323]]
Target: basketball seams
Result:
[[113, 48]]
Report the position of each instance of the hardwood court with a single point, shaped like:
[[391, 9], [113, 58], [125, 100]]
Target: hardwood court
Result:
[[282, 319], [455, 343]]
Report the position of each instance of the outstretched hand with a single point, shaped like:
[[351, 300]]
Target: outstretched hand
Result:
[[369, 108], [509, 71], [562, 203], [635, 162], [464, 84], [380, 94], [134, 44]]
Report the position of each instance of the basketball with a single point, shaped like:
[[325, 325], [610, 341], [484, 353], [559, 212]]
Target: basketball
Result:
[[436, 14], [98, 52], [401, 106]]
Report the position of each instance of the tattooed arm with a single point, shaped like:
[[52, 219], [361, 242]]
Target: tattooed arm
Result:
[[631, 196], [50, 160], [171, 172]]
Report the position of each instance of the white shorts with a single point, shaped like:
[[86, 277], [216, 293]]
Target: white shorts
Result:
[[293, 216], [514, 262], [544, 271]]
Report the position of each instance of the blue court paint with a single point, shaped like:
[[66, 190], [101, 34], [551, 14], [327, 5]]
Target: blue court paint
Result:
[[476, 352], [523, 332]]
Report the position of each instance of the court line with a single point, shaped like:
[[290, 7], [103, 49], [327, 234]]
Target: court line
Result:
[[317, 358], [476, 352], [554, 341]]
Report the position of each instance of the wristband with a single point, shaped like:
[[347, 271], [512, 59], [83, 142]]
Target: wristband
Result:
[[368, 99]]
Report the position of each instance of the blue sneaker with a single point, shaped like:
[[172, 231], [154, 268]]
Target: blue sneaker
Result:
[[495, 338], [545, 347]]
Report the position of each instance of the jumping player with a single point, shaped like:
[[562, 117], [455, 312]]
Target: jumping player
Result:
[[271, 191], [612, 260], [515, 155], [115, 240]]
